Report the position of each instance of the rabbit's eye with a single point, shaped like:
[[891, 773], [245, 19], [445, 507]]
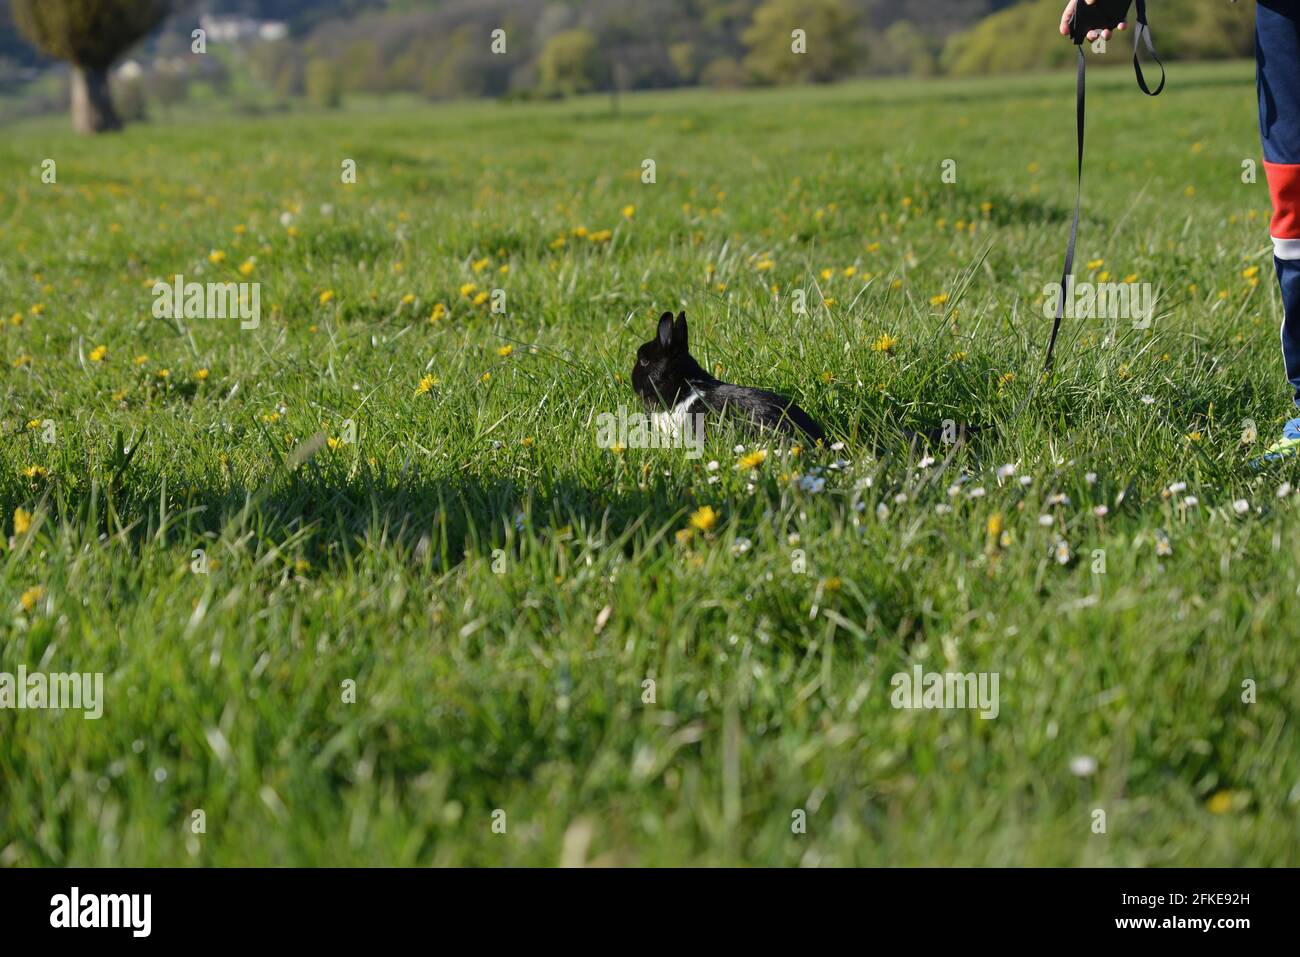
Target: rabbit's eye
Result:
[[645, 362]]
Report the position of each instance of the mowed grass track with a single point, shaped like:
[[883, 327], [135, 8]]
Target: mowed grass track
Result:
[[500, 589]]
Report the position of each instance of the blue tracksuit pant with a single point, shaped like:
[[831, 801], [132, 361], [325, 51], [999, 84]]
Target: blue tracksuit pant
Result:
[[1277, 52]]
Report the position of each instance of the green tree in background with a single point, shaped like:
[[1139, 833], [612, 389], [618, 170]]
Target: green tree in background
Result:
[[569, 63], [324, 87], [827, 26], [1024, 37], [90, 35]]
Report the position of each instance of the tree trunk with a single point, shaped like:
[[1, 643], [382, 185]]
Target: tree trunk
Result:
[[92, 107]]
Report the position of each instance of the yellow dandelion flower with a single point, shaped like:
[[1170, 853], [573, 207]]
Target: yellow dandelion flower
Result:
[[332, 443], [629, 211], [22, 360], [480, 264], [22, 521], [31, 596], [141, 359], [939, 300], [484, 377], [704, 518], [426, 385], [684, 535], [98, 353], [765, 265], [326, 296], [164, 373], [439, 312], [884, 343], [33, 424], [505, 351], [246, 267], [1095, 264], [35, 472], [201, 375], [467, 289], [527, 441], [481, 298], [828, 273], [408, 299], [850, 272], [216, 257], [753, 460], [602, 236]]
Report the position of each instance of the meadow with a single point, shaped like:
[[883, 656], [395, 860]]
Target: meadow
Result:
[[365, 589]]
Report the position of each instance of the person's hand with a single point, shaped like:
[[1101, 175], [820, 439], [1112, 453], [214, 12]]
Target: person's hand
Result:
[[1092, 34]]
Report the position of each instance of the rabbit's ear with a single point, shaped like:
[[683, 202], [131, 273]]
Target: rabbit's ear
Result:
[[666, 330], [679, 332]]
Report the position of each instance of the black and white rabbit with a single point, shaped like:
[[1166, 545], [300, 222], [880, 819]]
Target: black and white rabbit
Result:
[[672, 385]]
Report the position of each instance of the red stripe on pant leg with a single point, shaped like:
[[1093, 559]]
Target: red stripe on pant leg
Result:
[[1284, 187]]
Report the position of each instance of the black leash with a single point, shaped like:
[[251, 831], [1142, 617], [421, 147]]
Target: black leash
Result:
[[1105, 15]]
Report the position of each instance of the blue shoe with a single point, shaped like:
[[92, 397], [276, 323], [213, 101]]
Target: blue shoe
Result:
[[1286, 447]]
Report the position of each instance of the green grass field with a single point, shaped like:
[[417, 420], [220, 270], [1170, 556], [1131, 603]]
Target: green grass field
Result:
[[453, 606]]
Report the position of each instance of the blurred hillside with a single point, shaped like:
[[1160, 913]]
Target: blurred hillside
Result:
[[270, 54]]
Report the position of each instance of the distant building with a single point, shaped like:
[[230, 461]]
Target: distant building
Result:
[[232, 29]]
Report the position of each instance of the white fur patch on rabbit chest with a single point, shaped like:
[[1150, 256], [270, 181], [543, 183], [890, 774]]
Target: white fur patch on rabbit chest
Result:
[[672, 423]]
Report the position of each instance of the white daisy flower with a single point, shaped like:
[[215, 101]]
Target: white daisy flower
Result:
[[1083, 766]]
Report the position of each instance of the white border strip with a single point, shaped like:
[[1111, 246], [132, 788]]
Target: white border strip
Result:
[[1286, 248]]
